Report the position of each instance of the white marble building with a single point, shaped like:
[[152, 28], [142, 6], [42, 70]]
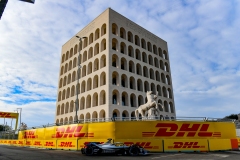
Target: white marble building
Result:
[[120, 61]]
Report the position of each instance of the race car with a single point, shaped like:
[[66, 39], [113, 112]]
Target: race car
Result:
[[118, 148]]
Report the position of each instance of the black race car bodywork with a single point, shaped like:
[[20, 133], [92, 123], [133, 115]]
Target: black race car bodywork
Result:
[[118, 148]]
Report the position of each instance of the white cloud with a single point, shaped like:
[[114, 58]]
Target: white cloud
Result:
[[202, 36]]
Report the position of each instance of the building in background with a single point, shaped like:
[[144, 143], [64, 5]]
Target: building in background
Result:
[[120, 62]]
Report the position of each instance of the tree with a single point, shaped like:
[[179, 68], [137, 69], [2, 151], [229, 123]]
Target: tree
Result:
[[5, 128], [232, 116]]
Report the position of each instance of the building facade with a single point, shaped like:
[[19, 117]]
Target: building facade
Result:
[[120, 61]]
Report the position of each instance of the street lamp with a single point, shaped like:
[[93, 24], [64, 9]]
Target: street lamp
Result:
[[78, 77], [20, 115]]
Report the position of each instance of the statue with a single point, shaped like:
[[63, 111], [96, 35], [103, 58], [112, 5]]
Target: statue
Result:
[[23, 126], [151, 106]]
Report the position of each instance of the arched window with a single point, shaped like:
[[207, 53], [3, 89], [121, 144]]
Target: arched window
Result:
[[95, 99], [88, 101], [114, 29], [137, 40], [124, 81], [115, 97], [97, 33], [131, 67], [103, 79], [96, 49], [96, 64], [115, 78], [103, 29], [90, 53], [143, 43], [91, 38], [122, 33], [124, 99], [103, 61], [115, 44], [133, 100], [102, 97], [130, 36], [103, 45], [95, 81], [139, 85]]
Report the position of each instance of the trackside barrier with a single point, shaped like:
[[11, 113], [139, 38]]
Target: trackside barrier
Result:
[[67, 144], [185, 145], [50, 144], [14, 142], [21, 143], [222, 144], [155, 145], [82, 142], [238, 141], [37, 143], [28, 143]]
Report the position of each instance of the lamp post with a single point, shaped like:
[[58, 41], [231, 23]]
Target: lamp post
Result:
[[78, 77], [20, 115]]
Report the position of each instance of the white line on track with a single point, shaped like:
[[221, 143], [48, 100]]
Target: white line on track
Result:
[[167, 156]]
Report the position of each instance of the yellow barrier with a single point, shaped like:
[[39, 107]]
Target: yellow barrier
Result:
[[21, 143], [37, 143], [81, 142], [185, 145], [219, 144], [238, 141], [67, 144], [50, 144], [155, 145]]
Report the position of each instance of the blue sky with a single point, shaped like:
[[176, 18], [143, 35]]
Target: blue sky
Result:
[[202, 36]]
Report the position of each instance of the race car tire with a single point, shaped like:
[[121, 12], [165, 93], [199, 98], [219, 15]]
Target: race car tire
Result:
[[133, 151], [89, 151]]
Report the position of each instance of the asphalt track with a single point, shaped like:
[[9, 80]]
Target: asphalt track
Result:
[[25, 153]]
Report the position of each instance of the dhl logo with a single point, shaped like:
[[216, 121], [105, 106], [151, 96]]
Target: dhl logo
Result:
[[5, 115], [186, 145], [49, 144], [146, 145], [66, 144], [186, 129], [20, 142], [9, 142], [28, 142], [30, 134], [14, 142], [70, 132], [37, 143]]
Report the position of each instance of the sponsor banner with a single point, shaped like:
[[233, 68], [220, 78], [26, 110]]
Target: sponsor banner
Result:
[[67, 144], [149, 144], [102, 130], [21, 143], [82, 142], [219, 144], [52, 144], [49, 133], [185, 145], [174, 130], [15, 142], [8, 115], [9, 142], [32, 134], [28, 143], [37, 143]]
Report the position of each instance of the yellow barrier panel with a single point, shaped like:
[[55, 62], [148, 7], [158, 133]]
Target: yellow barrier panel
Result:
[[21, 143], [28, 143], [14, 142], [9, 142], [102, 130], [51, 144], [81, 142], [174, 130], [5, 142], [155, 145], [67, 144], [1, 141], [238, 141], [219, 144], [185, 145], [37, 143], [50, 133]]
